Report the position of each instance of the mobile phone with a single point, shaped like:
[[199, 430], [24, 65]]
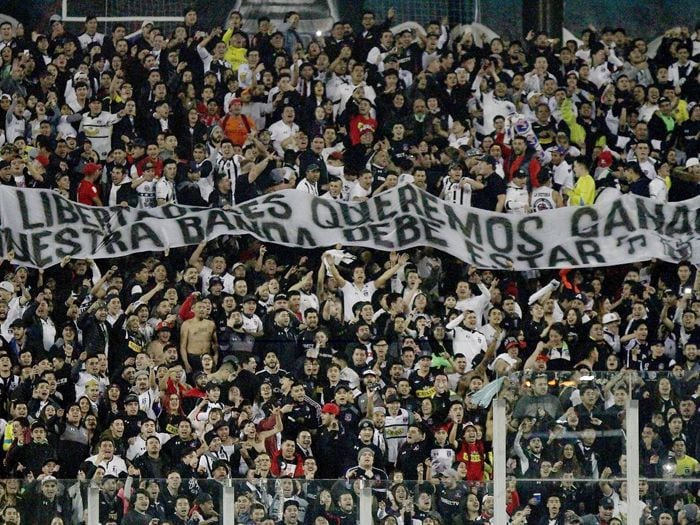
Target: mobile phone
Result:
[[537, 497]]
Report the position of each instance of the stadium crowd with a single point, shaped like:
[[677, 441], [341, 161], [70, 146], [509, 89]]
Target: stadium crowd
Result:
[[160, 376]]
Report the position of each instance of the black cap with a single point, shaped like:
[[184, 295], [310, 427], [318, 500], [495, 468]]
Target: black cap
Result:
[[342, 386], [455, 165], [425, 355], [95, 98], [281, 297], [131, 398], [521, 173], [366, 423], [249, 298], [607, 503], [215, 280], [313, 167], [488, 159], [392, 398]]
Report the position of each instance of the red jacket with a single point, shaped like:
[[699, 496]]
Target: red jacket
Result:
[[512, 164], [285, 469]]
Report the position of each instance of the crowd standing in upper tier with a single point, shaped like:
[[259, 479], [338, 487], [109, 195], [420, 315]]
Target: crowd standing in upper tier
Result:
[[161, 375]]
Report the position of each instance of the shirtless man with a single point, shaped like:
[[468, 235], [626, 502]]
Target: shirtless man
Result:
[[197, 338]]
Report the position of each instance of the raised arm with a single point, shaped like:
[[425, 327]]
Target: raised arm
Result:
[[397, 264], [197, 253], [328, 258], [145, 298]]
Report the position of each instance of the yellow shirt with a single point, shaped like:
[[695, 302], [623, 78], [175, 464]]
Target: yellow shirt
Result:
[[583, 193], [680, 112], [236, 56], [686, 466]]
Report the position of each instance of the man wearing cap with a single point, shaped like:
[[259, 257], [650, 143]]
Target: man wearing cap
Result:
[[366, 470], [6, 178], [606, 510], [368, 437], [662, 124], [88, 193], [395, 427], [97, 125], [47, 505], [237, 126], [145, 185], [611, 331], [517, 196], [456, 188], [330, 439]]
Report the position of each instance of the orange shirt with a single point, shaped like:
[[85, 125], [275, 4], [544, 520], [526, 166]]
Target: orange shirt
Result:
[[235, 128]]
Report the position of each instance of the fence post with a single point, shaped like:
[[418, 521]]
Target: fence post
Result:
[[228, 509], [93, 505], [499, 461], [365, 504], [632, 451]]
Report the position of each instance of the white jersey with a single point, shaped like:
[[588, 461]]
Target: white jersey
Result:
[[517, 199], [563, 176], [476, 303], [541, 199], [658, 190], [99, 130], [147, 194], [456, 193], [395, 432], [353, 295], [252, 325], [469, 343]]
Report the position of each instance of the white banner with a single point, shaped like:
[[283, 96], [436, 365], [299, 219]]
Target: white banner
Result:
[[43, 227]]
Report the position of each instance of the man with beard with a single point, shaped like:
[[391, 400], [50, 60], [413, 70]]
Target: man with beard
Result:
[[307, 337], [238, 340]]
